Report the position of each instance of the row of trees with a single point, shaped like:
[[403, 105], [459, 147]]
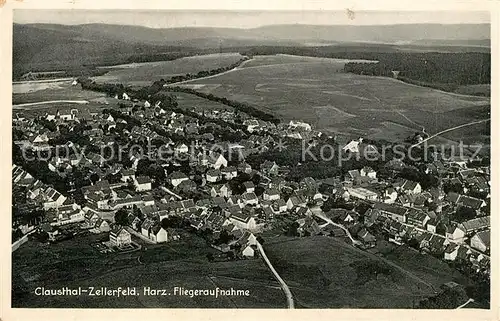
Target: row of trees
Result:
[[205, 73]]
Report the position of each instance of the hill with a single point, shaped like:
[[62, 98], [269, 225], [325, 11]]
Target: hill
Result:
[[51, 47]]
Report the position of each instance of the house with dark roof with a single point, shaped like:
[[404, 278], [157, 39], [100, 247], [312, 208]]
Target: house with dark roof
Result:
[[119, 236], [481, 241]]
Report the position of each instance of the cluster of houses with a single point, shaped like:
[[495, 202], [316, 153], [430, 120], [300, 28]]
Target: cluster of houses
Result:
[[229, 197]]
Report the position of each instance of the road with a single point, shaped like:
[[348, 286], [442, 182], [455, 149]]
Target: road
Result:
[[468, 301], [451, 129], [322, 215], [319, 213], [51, 102], [284, 286]]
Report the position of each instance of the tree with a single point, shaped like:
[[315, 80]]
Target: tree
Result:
[[121, 217], [260, 240], [210, 257], [464, 213]]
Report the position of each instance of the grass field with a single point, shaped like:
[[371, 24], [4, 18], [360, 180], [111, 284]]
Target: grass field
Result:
[[323, 272], [282, 59], [189, 101], [75, 263], [142, 74], [319, 93], [30, 92]]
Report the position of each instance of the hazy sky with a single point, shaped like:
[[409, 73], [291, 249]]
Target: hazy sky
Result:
[[243, 19]]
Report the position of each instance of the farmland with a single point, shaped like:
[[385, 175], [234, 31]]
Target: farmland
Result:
[[323, 272], [317, 92], [141, 74], [38, 91], [165, 266]]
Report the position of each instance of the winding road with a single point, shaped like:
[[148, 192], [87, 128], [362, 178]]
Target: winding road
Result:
[[284, 286], [451, 129], [51, 102]]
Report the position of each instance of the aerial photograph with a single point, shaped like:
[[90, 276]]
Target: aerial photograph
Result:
[[251, 159]]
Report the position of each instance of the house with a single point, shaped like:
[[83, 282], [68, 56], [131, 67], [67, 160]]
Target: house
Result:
[[270, 168], [432, 225], [248, 251], [222, 190], [243, 220], [481, 241], [181, 148], [352, 146], [146, 226], [142, 183], [295, 201], [54, 199], [177, 177], [369, 172], [217, 160], [299, 125], [455, 234], [119, 236], [91, 218], [411, 187], [249, 186], [390, 195], [250, 199], [229, 172], [158, 234], [213, 175], [102, 225], [417, 218], [477, 224], [279, 206], [394, 212], [362, 193], [271, 194]]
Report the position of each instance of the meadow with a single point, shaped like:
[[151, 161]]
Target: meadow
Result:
[[322, 94], [324, 272], [162, 266], [143, 74], [39, 91]]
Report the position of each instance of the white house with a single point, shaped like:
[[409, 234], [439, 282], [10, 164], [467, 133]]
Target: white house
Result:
[[177, 177], [455, 234], [125, 96], [213, 175], [481, 241], [147, 104], [271, 194], [352, 146], [158, 234], [142, 183]]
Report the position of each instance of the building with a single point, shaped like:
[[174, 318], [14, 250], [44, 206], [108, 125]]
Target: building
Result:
[[362, 193], [142, 183], [119, 236], [481, 241]]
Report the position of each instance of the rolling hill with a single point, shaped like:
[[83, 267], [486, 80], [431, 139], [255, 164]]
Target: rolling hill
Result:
[[52, 47]]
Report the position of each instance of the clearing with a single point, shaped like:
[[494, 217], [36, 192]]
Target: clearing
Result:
[[143, 74]]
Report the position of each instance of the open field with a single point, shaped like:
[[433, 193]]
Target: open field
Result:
[[282, 59], [143, 74], [162, 266], [323, 272], [189, 101], [318, 93], [38, 91]]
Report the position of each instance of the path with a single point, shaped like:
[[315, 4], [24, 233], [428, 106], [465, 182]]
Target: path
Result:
[[322, 215], [208, 77], [284, 286], [170, 192], [51, 102], [451, 129], [463, 305]]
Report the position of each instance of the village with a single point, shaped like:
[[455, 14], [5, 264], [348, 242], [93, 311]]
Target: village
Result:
[[216, 182]]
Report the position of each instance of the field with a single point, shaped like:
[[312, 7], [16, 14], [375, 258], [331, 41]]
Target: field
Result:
[[283, 59], [321, 94], [181, 264], [323, 272], [188, 101], [37, 91], [143, 74]]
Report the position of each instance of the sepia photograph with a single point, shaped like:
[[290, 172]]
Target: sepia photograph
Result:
[[251, 159]]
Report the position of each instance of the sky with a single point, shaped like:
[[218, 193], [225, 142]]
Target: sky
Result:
[[243, 19]]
